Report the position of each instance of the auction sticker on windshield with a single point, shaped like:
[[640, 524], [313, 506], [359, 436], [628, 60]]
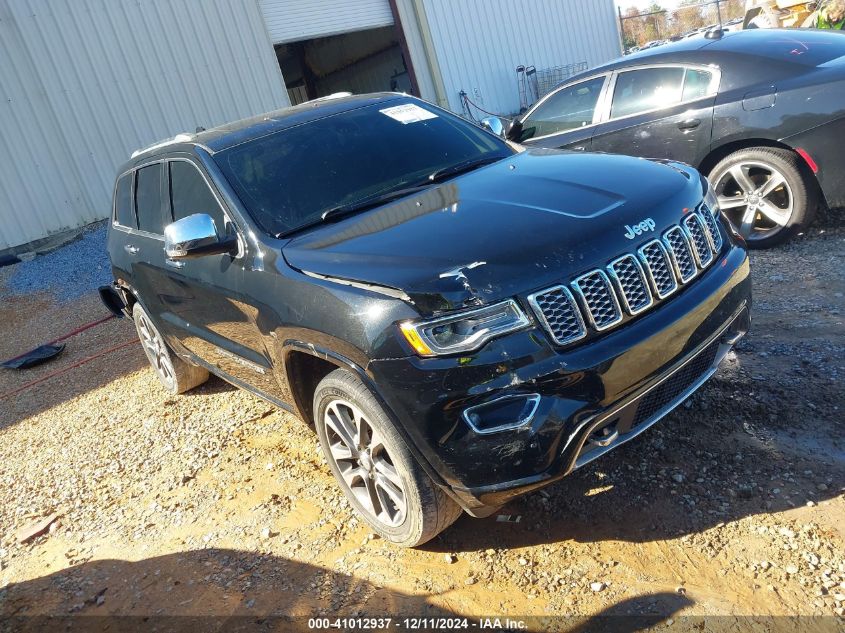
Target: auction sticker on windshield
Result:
[[408, 113]]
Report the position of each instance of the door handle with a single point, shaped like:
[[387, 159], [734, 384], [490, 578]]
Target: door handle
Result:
[[174, 263], [689, 124], [578, 148], [132, 250]]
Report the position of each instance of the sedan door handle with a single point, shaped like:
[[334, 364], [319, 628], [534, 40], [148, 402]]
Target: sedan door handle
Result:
[[132, 250], [578, 148], [174, 263], [689, 124]]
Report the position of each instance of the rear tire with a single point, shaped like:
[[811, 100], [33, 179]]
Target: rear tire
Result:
[[374, 467], [175, 374], [765, 217]]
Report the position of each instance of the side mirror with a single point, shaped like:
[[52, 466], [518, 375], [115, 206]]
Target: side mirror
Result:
[[494, 124], [514, 130], [195, 236]]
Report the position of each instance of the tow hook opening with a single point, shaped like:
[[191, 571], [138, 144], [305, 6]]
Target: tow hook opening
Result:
[[605, 436]]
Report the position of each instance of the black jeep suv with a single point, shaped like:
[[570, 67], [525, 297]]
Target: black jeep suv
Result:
[[462, 321]]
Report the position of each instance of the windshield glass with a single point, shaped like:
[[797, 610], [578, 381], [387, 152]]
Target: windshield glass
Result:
[[290, 178]]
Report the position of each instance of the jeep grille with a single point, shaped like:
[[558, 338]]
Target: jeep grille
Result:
[[699, 240], [632, 283], [679, 249], [657, 264], [558, 311], [597, 295]]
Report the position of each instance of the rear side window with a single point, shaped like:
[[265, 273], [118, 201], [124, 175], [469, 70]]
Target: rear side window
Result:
[[148, 198], [123, 202], [190, 194], [647, 89], [696, 84]]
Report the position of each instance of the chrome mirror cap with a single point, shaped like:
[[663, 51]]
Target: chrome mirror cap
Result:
[[191, 236], [494, 124]]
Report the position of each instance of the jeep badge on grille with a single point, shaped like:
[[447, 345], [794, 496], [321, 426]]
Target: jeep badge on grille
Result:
[[638, 229]]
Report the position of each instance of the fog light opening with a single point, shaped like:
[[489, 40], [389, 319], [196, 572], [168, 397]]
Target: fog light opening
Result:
[[505, 413]]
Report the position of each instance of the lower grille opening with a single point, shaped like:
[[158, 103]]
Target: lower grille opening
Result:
[[680, 381]]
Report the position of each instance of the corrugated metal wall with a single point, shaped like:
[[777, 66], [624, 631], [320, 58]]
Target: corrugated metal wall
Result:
[[294, 20], [479, 45], [84, 83]]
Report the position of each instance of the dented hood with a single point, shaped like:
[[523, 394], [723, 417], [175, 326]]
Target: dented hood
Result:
[[529, 221]]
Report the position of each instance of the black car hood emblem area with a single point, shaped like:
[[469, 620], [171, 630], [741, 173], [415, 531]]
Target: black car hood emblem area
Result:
[[534, 218]]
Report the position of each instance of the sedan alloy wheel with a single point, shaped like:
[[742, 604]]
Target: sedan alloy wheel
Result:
[[756, 198]]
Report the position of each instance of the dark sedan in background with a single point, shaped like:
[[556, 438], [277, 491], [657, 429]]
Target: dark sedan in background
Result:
[[760, 112]]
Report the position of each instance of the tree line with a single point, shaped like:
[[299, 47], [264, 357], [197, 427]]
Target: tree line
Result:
[[659, 23]]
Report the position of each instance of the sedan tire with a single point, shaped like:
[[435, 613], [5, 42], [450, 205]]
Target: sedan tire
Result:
[[374, 467], [766, 194]]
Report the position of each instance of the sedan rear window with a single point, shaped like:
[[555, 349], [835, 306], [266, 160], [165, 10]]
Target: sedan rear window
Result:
[[646, 89], [290, 178]]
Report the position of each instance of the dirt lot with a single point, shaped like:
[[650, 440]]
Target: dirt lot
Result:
[[214, 503]]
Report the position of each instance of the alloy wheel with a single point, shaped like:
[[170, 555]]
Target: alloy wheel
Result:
[[756, 198], [156, 349], [365, 466]]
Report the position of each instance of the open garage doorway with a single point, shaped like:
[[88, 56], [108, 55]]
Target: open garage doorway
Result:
[[359, 62]]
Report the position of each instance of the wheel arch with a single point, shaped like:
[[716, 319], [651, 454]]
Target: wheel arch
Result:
[[304, 370], [128, 294], [726, 149], [305, 365]]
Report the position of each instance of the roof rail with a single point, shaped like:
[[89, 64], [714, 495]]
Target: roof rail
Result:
[[179, 138]]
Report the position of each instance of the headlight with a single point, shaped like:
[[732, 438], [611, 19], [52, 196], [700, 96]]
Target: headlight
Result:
[[464, 331], [711, 199]]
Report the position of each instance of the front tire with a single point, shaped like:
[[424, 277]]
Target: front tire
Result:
[[175, 374], [766, 193], [374, 467]]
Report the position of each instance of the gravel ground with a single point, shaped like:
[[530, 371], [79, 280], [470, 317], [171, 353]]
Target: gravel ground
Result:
[[216, 503], [68, 272]]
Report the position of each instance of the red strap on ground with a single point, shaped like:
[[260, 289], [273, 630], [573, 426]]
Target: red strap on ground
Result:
[[64, 370], [81, 328]]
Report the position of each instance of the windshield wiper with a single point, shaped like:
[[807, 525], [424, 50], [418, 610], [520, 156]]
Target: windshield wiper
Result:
[[463, 167], [372, 201], [381, 198], [353, 207]]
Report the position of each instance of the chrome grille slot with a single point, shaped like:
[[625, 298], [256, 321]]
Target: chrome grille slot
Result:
[[697, 235], [631, 284], [599, 299], [712, 229], [659, 268], [679, 249], [557, 310]]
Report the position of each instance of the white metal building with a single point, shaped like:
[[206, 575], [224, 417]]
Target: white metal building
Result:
[[85, 82]]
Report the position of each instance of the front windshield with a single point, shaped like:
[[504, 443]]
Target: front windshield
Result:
[[290, 178]]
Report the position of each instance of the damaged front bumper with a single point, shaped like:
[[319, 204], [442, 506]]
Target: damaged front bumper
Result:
[[520, 414]]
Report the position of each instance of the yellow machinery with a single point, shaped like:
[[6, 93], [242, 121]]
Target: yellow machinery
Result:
[[781, 13]]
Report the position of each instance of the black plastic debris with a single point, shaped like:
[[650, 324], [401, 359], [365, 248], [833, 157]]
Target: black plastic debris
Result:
[[8, 260], [34, 357]]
